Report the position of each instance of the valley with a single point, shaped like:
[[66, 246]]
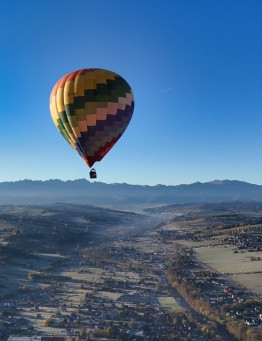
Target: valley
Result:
[[97, 272]]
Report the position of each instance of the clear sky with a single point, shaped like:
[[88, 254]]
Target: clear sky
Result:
[[194, 67]]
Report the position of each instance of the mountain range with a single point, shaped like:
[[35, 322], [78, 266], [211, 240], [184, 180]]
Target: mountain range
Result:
[[98, 193]]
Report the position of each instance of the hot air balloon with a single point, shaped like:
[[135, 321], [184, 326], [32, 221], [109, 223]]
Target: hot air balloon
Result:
[[92, 108]]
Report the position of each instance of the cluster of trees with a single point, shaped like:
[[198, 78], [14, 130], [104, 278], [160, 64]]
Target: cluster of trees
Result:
[[108, 332], [48, 322], [46, 277], [181, 259], [8, 252]]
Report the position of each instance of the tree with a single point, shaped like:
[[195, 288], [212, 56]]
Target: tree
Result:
[[82, 331], [30, 277], [48, 322]]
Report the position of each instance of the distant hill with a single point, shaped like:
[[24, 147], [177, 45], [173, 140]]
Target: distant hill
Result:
[[83, 191]]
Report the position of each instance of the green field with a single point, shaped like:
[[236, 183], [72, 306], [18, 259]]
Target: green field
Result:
[[168, 303]]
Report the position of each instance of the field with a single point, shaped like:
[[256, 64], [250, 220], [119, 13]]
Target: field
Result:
[[16, 275], [238, 266], [169, 303], [222, 258]]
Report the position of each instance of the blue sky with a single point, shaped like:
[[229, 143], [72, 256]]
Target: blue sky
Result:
[[208, 54]]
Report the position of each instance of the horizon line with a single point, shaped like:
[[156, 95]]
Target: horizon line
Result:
[[214, 182]]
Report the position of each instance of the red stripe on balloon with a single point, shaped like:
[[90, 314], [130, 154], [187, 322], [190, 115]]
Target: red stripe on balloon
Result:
[[90, 160]]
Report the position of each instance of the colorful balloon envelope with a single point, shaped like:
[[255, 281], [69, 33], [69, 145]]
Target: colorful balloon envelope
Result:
[[92, 108]]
